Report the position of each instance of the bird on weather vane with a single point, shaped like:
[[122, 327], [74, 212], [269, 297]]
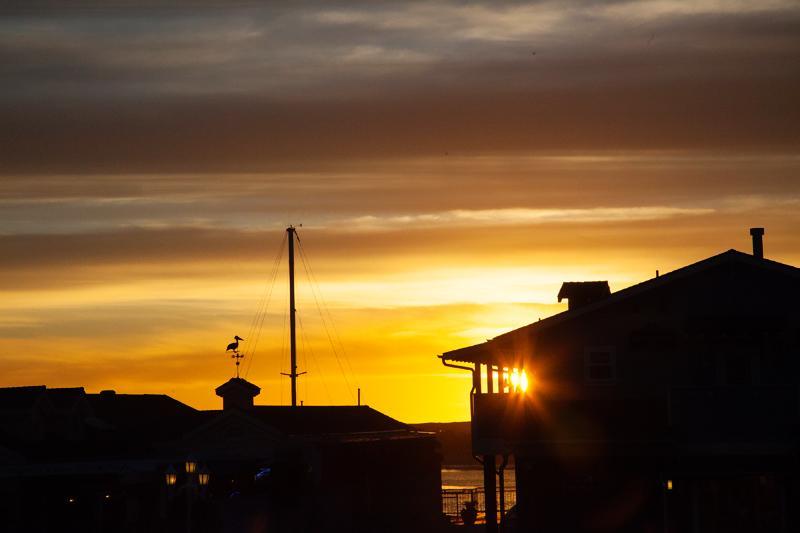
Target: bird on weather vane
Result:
[[234, 347]]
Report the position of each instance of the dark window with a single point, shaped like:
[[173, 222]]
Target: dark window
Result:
[[738, 369], [704, 365], [600, 365]]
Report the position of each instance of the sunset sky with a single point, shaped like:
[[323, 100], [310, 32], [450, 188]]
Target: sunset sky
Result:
[[452, 163]]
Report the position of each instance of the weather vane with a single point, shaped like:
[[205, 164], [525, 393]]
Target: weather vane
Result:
[[234, 347]]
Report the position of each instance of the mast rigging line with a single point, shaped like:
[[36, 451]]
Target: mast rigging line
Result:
[[257, 324], [326, 309], [317, 294], [314, 361], [282, 356]]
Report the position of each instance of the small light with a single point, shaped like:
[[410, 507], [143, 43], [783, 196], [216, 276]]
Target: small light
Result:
[[71, 500], [669, 484], [108, 496], [170, 476], [515, 379], [523, 381], [203, 477], [191, 465]]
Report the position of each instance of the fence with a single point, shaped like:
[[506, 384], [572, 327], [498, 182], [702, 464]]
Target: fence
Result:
[[453, 501]]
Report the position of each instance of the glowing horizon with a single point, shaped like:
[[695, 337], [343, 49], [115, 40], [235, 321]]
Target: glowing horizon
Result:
[[452, 164], [161, 301]]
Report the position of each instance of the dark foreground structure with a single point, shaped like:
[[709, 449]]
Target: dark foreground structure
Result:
[[670, 406], [77, 462]]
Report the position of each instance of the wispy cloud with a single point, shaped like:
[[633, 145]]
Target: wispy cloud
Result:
[[520, 216]]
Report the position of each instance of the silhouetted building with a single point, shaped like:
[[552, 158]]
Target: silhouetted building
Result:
[[72, 461], [671, 405]]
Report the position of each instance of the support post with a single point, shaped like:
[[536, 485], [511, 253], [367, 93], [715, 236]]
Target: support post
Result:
[[489, 378], [490, 493], [501, 478]]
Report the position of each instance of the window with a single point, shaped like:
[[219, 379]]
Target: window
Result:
[[600, 365], [738, 368]]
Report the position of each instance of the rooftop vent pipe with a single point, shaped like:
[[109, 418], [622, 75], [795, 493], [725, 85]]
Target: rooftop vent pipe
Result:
[[758, 243]]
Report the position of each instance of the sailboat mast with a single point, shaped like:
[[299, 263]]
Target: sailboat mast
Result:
[[293, 340]]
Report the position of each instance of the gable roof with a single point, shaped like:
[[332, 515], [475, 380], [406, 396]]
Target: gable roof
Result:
[[483, 351]]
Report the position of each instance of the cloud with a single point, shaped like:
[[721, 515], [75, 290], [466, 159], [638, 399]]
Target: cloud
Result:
[[424, 192], [517, 216], [208, 87]]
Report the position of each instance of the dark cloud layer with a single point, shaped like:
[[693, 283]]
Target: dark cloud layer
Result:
[[248, 136], [182, 89]]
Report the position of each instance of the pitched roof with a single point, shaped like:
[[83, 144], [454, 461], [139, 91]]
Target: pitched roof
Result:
[[133, 410], [238, 384], [483, 350], [325, 419]]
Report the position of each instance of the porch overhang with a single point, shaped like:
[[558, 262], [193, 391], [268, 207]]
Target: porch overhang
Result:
[[487, 353]]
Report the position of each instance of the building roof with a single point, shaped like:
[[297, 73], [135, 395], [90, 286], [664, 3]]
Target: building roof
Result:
[[484, 351], [65, 398], [238, 384], [325, 419], [20, 397], [117, 426], [134, 410]]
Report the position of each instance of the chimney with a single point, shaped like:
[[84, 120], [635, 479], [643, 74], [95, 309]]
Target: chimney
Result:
[[237, 393], [758, 243]]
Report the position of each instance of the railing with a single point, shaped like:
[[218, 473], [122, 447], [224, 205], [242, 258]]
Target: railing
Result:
[[453, 501]]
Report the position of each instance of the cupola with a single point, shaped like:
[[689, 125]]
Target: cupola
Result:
[[237, 393]]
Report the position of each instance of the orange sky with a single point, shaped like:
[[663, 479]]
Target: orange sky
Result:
[[451, 165]]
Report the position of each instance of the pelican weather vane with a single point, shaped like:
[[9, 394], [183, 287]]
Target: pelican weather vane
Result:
[[234, 347]]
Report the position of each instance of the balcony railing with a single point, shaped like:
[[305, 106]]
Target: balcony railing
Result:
[[454, 500]]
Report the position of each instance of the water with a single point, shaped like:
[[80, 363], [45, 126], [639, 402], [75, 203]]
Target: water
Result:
[[464, 484], [469, 477]]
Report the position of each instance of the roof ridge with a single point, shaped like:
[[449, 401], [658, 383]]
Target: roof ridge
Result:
[[638, 287]]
